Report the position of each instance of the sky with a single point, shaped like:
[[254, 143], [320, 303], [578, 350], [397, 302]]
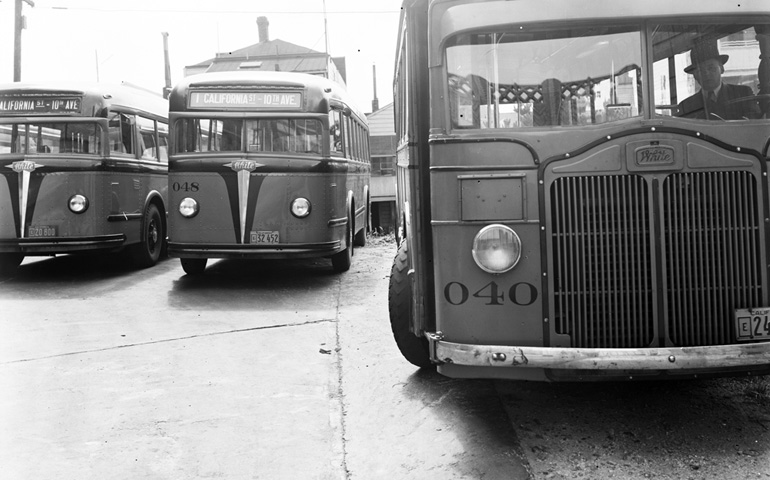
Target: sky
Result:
[[116, 41]]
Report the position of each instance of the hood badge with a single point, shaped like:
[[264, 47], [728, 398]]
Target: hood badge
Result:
[[654, 155], [24, 166], [243, 165]]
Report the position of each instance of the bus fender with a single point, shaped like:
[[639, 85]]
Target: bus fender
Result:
[[350, 211], [156, 197]]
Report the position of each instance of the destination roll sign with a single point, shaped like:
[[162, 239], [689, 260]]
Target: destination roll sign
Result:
[[246, 100], [31, 104]]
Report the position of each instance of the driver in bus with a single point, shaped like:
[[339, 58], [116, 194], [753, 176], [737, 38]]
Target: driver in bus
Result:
[[716, 100]]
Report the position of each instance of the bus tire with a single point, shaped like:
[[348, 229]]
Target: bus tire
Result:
[[193, 266], [414, 348], [9, 262], [341, 260], [147, 252]]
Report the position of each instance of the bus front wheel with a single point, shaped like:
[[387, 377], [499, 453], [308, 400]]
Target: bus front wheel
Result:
[[193, 266], [147, 252], [412, 347]]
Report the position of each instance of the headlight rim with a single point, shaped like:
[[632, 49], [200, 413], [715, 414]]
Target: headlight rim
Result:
[[516, 242], [195, 207], [82, 200], [294, 202]]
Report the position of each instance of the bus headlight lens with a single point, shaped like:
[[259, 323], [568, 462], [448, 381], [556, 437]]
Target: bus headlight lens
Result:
[[496, 249], [78, 204], [188, 207], [300, 207]]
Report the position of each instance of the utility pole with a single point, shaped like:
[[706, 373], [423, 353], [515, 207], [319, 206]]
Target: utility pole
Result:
[[19, 24], [326, 45], [167, 63]]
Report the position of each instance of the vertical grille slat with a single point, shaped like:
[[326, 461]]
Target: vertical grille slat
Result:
[[710, 257]]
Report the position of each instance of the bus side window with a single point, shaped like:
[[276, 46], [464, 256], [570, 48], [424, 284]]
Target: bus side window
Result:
[[163, 142], [121, 133], [335, 132], [147, 143], [347, 137]]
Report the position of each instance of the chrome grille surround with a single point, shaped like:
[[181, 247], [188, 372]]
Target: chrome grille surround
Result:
[[652, 259]]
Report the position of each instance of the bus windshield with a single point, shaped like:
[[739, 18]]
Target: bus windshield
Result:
[[268, 135], [593, 75], [551, 77], [41, 138]]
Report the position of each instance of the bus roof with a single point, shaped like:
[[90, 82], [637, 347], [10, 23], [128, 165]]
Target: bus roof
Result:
[[320, 91], [95, 96]]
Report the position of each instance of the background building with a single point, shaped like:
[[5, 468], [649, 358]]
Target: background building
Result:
[[277, 55], [382, 148]]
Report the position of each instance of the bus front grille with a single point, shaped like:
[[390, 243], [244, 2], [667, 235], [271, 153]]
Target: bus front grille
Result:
[[711, 254], [616, 242]]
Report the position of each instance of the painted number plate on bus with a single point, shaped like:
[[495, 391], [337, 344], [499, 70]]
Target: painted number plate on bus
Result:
[[752, 323], [264, 237], [41, 231]]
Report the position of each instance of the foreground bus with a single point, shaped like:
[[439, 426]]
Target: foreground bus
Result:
[[83, 169], [266, 165], [572, 207]]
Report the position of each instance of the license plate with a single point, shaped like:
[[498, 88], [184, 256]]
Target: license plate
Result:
[[41, 231], [264, 237], [752, 324]]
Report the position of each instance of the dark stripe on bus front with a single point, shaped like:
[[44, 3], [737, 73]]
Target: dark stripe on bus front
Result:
[[255, 183], [13, 179], [231, 183], [13, 189], [35, 181]]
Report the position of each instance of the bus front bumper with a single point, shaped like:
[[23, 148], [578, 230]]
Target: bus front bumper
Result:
[[741, 356], [51, 245], [282, 251]]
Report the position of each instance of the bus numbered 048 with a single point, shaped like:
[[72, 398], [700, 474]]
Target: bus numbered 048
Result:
[[83, 168], [266, 165], [583, 189]]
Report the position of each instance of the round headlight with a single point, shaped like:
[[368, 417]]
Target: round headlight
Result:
[[188, 207], [78, 204], [496, 248], [300, 207]]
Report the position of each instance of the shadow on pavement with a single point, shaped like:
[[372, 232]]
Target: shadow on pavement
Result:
[[73, 267], [480, 423], [672, 427], [255, 284]]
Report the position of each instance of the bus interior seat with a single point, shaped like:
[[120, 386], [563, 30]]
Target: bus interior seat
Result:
[[547, 112]]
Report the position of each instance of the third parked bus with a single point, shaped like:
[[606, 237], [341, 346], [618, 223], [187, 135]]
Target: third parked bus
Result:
[[266, 165], [84, 169], [583, 188]]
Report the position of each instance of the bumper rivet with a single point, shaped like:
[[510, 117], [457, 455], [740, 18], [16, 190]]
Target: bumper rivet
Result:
[[672, 359], [498, 357]]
